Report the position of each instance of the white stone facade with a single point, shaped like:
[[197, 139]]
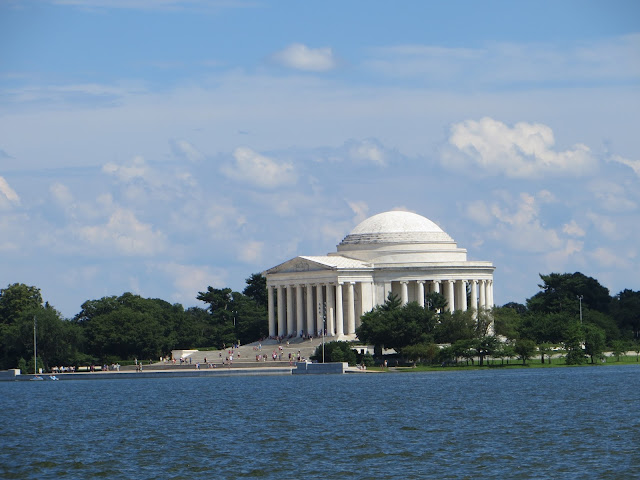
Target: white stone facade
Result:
[[399, 252]]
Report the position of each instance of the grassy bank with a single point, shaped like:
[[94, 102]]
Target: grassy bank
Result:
[[491, 364]]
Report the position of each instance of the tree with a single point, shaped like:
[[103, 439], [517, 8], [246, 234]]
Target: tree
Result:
[[16, 299], [129, 326], [397, 327], [626, 312], [249, 318], [463, 348], [545, 327], [256, 289], [573, 344], [435, 301], [560, 294], [217, 298], [335, 352], [391, 303], [545, 349], [484, 346], [454, 326], [524, 349], [504, 350], [483, 323], [619, 347], [594, 341], [506, 321], [421, 352], [516, 307], [374, 328]]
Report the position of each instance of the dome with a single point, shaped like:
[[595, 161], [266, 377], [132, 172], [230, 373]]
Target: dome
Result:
[[396, 222], [396, 227]]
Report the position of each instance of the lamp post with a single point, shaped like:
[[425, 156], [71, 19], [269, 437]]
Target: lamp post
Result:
[[580, 297]]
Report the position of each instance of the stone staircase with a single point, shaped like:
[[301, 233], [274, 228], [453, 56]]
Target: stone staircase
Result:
[[245, 355]]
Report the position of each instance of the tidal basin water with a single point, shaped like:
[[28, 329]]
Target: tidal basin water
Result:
[[492, 424]]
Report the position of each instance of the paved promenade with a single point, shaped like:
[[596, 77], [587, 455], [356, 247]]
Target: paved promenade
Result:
[[244, 362], [245, 355]]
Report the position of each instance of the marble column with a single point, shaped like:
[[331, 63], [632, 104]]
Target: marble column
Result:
[[483, 299], [421, 293], [339, 313], [404, 295], [319, 319], [310, 309], [463, 295], [331, 310], [299, 311], [474, 295], [450, 296], [272, 318], [291, 324], [351, 310], [281, 311], [457, 305]]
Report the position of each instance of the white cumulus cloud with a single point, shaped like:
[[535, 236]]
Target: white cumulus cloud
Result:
[[605, 257], [525, 150], [185, 150], [251, 251], [188, 280], [573, 229], [137, 169], [369, 151], [7, 194], [125, 234], [632, 164], [259, 170], [61, 194], [301, 57]]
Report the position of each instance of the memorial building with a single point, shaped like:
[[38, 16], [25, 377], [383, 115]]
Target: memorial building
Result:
[[399, 252]]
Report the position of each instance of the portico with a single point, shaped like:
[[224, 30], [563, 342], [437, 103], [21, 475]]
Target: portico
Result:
[[393, 252]]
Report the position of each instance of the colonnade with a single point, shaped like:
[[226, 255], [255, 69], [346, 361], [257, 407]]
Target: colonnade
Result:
[[308, 309], [336, 307]]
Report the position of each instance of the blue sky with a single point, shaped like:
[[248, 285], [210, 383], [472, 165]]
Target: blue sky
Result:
[[160, 147]]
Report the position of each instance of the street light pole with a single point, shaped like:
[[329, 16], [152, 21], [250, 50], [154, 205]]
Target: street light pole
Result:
[[580, 297]]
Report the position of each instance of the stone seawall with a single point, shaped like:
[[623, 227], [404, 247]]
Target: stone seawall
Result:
[[308, 368], [213, 372]]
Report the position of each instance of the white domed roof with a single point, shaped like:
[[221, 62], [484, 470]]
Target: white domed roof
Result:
[[396, 227], [396, 222]]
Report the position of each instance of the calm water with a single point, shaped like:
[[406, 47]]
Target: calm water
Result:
[[517, 424]]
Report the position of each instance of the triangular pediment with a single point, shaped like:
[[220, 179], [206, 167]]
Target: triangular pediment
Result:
[[298, 264], [318, 264]]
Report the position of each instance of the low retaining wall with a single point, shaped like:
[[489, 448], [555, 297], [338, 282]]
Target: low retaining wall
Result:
[[308, 368], [9, 374]]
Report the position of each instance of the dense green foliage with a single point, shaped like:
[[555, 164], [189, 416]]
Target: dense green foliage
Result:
[[335, 352], [127, 327], [572, 311]]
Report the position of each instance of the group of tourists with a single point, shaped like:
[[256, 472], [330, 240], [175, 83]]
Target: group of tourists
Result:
[[304, 336], [70, 369]]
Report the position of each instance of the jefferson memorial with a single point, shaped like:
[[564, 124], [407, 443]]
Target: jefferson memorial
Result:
[[398, 252]]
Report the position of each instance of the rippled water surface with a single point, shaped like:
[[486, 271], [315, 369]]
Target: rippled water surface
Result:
[[490, 424]]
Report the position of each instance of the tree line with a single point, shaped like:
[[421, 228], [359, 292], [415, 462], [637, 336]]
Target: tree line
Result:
[[126, 327], [571, 311]]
